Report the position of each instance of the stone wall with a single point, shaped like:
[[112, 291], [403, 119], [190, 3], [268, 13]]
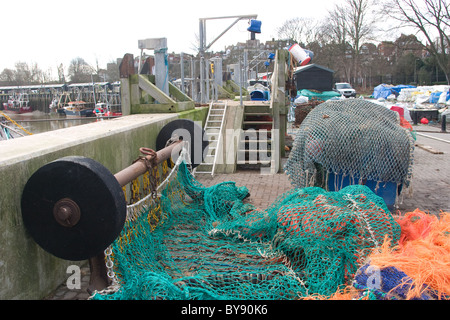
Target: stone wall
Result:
[[26, 270]]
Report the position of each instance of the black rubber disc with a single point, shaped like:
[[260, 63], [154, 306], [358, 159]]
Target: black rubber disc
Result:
[[73, 207], [189, 131]]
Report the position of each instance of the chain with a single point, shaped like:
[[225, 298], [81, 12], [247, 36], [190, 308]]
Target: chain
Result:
[[152, 167], [110, 265], [154, 179], [114, 287]]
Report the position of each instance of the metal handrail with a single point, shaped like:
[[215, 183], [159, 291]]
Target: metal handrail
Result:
[[219, 138]]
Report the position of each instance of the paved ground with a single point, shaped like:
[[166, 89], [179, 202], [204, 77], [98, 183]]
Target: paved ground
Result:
[[430, 189]]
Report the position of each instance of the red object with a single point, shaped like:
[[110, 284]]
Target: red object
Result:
[[424, 121], [399, 110]]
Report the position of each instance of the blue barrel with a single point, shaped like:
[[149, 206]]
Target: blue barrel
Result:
[[386, 190], [258, 95]]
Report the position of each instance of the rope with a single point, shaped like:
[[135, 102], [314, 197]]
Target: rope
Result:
[[25, 130]]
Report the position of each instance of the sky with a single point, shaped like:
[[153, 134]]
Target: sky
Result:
[[53, 32]]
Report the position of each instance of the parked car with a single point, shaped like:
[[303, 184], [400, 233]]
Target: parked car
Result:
[[345, 89]]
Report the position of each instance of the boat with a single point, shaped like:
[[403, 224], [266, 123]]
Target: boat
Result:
[[9, 129], [18, 104], [107, 107], [58, 102], [103, 109], [78, 108]]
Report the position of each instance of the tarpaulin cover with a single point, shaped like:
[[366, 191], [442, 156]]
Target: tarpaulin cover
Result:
[[384, 91]]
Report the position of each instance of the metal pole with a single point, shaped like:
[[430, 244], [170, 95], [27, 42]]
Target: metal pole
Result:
[[240, 80], [194, 89], [202, 52], [245, 76], [161, 70], [140, 167], [207, 82], [182, 71]]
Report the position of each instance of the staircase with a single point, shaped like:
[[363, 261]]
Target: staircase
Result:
[[256, 141], [213, 129]]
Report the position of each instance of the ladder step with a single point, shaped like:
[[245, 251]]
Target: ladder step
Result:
[[253, 162], [258, 122], [265, 114], [253, 150], [256, 141]]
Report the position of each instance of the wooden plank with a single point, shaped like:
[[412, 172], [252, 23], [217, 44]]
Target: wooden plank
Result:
[[178, 94], [428, 148], [153, 108], [154, 91]]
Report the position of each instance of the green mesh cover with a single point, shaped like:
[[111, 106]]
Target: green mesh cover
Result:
[[197, 242], [351, 138]]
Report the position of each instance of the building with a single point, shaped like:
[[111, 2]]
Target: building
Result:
[[313, 77]]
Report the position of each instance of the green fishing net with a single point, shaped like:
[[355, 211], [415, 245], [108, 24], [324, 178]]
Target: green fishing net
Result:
[[197, 242], [354, 139]]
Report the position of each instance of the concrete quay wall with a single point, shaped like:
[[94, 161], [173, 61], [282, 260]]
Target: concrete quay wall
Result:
[[26, 270]]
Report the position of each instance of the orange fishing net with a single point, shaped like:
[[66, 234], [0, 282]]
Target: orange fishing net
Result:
[[418, 267], [423, 253], [415, 225]]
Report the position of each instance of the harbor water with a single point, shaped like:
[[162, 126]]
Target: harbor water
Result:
[[38, 121]]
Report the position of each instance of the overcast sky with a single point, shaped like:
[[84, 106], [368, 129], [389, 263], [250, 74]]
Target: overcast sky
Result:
[[51, 32]]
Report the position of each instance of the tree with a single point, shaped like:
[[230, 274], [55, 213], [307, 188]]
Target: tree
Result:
[[347, 26], [80, 71], [61, 76], [404, 70], [7, 77], [300, 30], [333, 32], [359, 24], [24, 74], [431, 19]]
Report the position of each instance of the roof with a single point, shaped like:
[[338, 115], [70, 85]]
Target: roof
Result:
[[309, 66]]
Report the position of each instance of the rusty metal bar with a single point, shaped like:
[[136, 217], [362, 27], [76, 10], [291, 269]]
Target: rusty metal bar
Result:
[[141, 166]]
